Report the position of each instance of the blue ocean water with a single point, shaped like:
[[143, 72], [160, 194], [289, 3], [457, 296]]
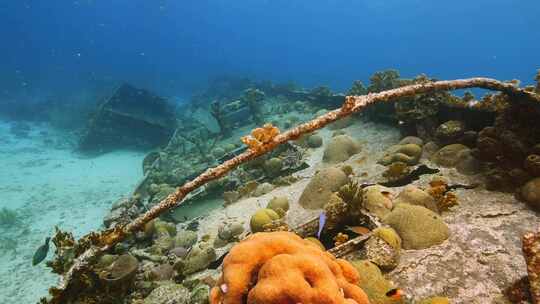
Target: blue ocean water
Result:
[[64, 48], [173, 47]]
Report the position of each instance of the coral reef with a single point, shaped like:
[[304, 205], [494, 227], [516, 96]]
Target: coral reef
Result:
[[321, 186], [287, 269], [339, 149], [417, 226]]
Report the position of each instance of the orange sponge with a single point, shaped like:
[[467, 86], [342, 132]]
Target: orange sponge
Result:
[[282, 268]]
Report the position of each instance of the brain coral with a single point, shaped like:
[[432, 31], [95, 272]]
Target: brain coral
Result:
[[281, 267], [340, 148], [321, 186]]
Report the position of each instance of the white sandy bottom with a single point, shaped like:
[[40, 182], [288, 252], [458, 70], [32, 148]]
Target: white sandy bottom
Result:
[[52, 187]]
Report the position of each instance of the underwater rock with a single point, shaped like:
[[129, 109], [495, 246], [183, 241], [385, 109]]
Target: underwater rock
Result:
[[230, 231], [411, 140], [450, 131], [130, 118], [339, 149], [218, 152], [467, 164], [373, 283], [200, 256], [314, 141], [381, 253], [180, 252], [321, 186], [262, 217], [377, 200], [185, 238], [167, 294], [120, 274], [417, 226], [230, 197], [262, 189], [531, 193], [163, 272], [532, 165], [414, 196], [273, 166], [277, 203], [409, 154], [449, 156], [429, 149], [200, 294], [435, 300]]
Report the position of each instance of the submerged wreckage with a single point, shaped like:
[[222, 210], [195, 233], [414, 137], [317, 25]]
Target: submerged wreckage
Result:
[[346, 226]]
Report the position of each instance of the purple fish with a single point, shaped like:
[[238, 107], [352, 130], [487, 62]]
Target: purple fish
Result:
[[322, 221]]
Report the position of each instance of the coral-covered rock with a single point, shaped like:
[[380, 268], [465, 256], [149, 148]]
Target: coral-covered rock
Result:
[[340, 148], [450, 131], [200, 256], [411, 140], [287, 269], [531, 193], [279, 202], [449, 156], [381, 253], [262, 189], [262, 217], [377, 200], [417, 226], [273, 166], [415, 196], [185, 238], [409, 154], [389, 235], [321, 186], [372, 281]]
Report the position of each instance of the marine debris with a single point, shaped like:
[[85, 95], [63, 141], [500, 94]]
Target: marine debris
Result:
[[131, 117], [79, 267]]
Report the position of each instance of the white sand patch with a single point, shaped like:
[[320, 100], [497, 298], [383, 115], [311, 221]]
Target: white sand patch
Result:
[[51, 187]]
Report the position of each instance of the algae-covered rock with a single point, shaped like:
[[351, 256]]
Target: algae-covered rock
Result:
[[373, 282], [417, 226], [339, 149], [415, 196], [230, 231], [467, 164], [314, 141], [279, 202], [449, 156], [185, 238], [321, 186], [530, 192], [167, 294], [261, 218], [377, 200], [200, 294]]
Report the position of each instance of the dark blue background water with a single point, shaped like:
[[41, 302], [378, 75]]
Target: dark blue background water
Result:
[[173, 47]]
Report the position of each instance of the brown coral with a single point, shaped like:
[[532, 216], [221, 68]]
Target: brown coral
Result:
[[281, 267]]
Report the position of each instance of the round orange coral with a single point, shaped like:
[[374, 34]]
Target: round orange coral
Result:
[[282, 268]]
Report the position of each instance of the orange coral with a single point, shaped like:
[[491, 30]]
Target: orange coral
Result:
[[260, 136], [282, 268]]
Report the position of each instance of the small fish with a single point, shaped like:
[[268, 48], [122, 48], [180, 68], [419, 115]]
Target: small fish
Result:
[[395, 294], [41, 252], [322, 221], [359, 230]]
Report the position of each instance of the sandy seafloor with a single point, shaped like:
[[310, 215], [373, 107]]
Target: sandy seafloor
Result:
[[49, 184]]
